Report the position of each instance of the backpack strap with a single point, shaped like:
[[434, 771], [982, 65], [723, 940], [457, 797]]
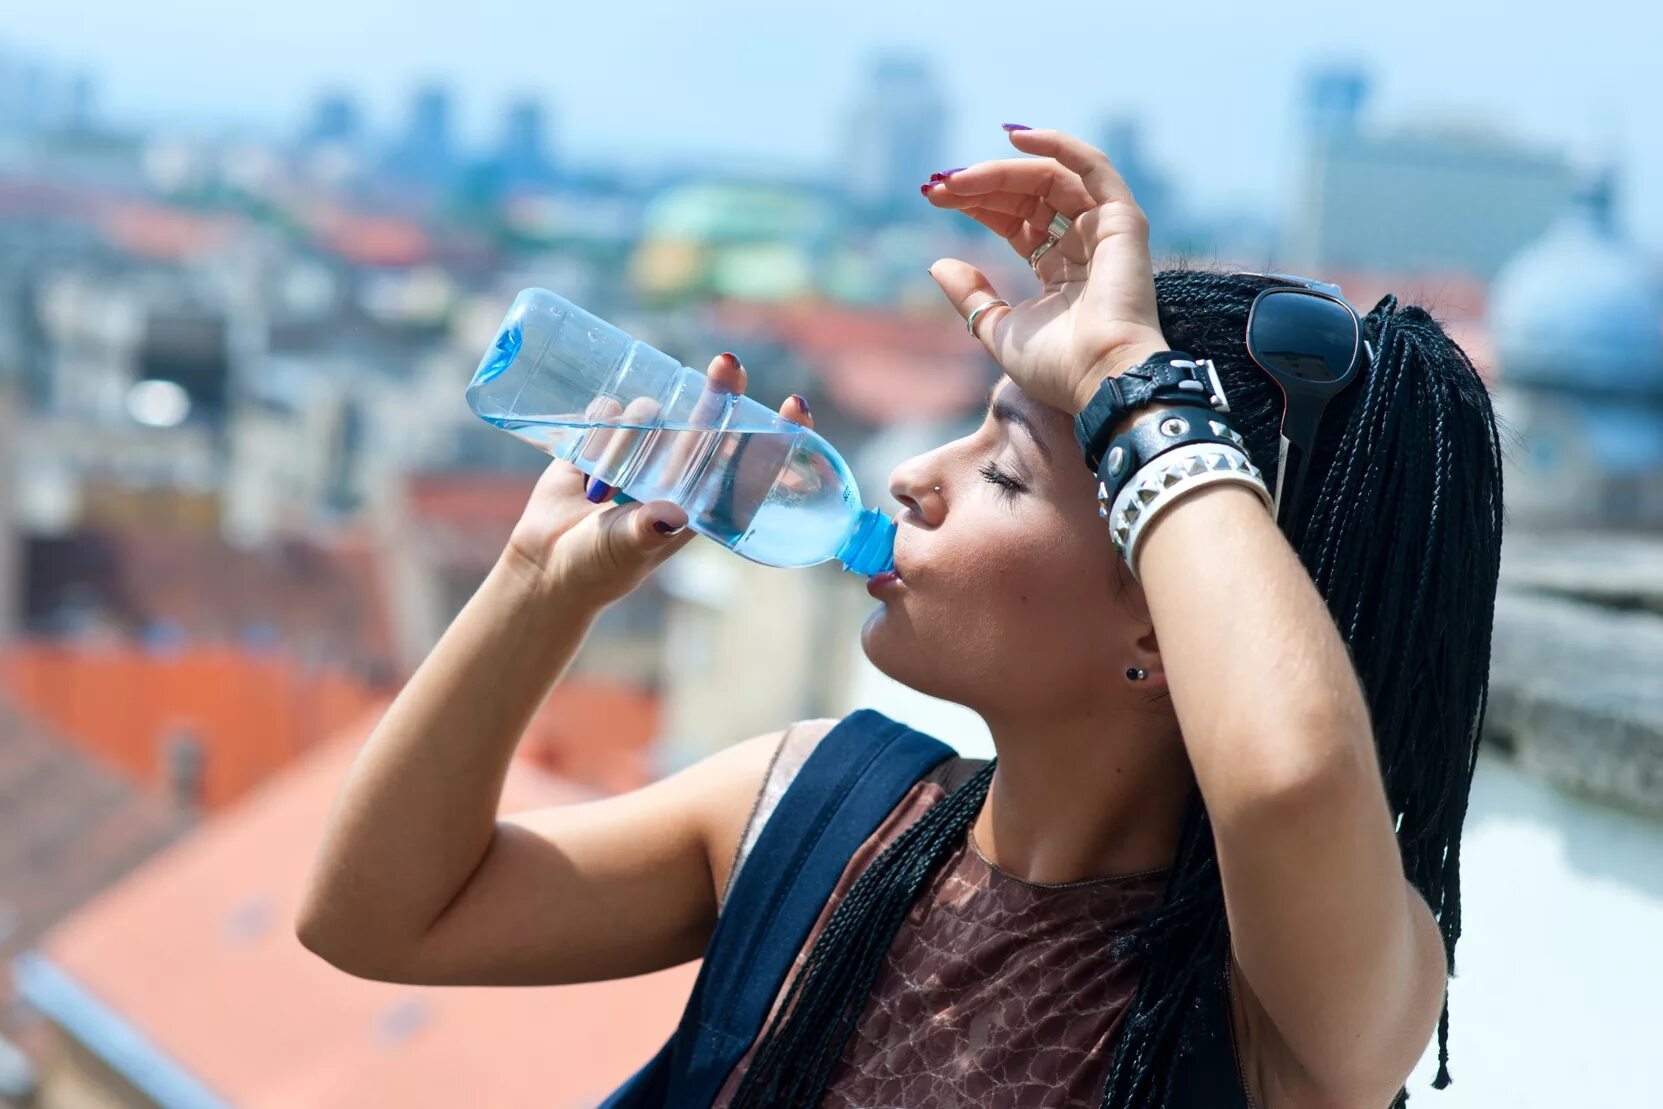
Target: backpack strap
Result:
[[857, 774]]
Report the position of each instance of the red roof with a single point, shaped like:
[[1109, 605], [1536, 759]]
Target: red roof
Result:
[[251, 713], [196, 952], [877, 365], [72, 828], [166, 234], [372, 240]]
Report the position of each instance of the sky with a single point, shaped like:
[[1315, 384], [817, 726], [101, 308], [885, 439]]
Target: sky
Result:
[[1216, 83]]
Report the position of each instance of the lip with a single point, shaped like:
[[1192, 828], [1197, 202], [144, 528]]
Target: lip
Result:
[[888, 581]]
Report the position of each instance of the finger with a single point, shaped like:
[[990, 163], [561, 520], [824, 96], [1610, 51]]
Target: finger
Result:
[[1101, 180], [619, 445], [968, 288], [1045, 178], [1022, 219], [725, 375], [632, 537], [796, 410]]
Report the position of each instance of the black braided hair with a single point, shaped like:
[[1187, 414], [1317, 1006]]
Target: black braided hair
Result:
[[1402, 538]]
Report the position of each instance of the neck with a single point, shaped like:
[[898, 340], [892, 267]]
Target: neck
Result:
[[1083, 796]]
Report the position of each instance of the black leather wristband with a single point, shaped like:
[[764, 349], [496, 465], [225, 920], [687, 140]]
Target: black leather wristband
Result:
[[1146, 438], [1167, 377]]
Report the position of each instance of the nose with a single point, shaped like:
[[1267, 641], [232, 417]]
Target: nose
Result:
[[913, 488]]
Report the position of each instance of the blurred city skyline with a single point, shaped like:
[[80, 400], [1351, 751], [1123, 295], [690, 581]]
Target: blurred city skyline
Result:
[[753, 85]]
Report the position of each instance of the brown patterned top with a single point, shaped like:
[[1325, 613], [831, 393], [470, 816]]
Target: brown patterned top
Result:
[[996, 991]]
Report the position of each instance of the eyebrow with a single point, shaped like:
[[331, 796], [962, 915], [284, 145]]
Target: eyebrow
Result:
[[1001, 409]]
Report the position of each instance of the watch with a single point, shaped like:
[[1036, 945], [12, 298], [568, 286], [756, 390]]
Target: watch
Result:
[[1166, 377]]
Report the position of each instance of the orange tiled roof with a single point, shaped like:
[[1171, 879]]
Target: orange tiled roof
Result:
[[252, 714], [197, 953], [72, 828], [878, 365]]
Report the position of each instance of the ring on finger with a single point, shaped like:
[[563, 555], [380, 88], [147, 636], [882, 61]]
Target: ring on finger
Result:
[[1057, 228], [970, 321]]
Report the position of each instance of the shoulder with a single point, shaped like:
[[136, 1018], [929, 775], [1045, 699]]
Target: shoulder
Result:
[[759, 772]]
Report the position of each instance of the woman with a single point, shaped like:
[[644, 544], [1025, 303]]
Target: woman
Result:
[[1263, 812]]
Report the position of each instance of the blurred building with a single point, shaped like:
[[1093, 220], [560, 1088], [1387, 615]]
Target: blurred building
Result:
[[734, 625], [11, 583], [425, 154], [1577, 319], [336, 119], [752, 242], [72, 829], [894, 136], [522, 160], [1434, 196], [185, 986], [1121, 139]]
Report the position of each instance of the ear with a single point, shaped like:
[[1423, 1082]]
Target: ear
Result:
[[1146, 654]]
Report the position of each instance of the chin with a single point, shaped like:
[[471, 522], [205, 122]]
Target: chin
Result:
[[891, 644]]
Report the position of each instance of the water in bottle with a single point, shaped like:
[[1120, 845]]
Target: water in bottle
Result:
[[574, 386]]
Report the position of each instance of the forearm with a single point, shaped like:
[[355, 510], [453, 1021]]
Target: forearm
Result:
[[418, 808], [1263, 687]]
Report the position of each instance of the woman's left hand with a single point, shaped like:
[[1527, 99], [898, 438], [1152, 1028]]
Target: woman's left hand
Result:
[[1094, 314]]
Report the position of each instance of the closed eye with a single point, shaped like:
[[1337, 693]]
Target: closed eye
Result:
[[1008, 485]]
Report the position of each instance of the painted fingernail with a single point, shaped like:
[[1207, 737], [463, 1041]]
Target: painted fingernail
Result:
[[598, 490], [925, 189], [732, 357], [946, 173], [1016, 127], [801, 403], [664, 527]]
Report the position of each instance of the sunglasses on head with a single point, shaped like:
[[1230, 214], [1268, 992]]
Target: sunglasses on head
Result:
[[1310, 341]]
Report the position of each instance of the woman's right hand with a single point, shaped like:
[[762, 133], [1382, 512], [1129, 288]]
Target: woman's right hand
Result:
[[601, 552]]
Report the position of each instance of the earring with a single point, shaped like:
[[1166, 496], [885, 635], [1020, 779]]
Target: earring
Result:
[[1136, 673], [938, 489]]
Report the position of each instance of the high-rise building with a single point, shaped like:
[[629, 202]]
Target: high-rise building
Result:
[[426, 152], [522, 158], [894, 140], [1416, 199], [1122, 140], [335, 120]]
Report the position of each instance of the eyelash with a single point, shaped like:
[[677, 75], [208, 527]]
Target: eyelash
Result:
[[1008, 485]]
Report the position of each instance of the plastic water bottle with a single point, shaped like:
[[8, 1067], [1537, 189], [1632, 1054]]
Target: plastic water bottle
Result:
[[578, 388]]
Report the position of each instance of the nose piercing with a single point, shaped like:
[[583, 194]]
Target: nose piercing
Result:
[[938, 489], [1136, 673]]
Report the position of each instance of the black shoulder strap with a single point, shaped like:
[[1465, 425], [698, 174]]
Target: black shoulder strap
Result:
[[852, 780]]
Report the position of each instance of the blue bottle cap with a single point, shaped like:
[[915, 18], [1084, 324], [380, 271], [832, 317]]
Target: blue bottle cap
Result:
[[871, 546]]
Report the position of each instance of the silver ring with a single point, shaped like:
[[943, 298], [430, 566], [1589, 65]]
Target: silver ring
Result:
[[1056, 229], [970, 322]]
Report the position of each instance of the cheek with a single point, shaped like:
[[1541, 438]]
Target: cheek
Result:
[[1024, 587]]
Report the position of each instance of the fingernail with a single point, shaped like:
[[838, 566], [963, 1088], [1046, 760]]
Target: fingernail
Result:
[[598, 490], [1016, 127], [946, 173], [925, 189], [801, 403], [732, 357], [664, 527]]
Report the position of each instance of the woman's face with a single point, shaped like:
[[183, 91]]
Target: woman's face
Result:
[[1008, 593]]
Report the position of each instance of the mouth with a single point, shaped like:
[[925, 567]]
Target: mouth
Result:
[[879, 584]]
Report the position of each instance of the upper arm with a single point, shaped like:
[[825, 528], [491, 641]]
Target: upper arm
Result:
[[1341, 960], [603, 889]]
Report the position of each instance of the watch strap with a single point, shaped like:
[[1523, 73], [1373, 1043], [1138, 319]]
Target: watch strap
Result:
[[1166, 377]]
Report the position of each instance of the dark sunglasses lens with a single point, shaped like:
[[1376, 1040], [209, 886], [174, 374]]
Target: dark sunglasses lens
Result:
[[1303, 336]]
